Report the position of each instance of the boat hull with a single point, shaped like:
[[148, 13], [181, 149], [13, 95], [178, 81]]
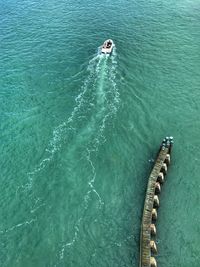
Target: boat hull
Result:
[[107, 47]]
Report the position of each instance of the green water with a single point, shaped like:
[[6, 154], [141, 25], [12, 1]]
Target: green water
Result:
[[78, 130]]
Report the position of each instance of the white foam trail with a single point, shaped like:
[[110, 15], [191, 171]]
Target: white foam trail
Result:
[[94, 67], [38, 204], [17, 226], [71, 243], [100, 93], [99, 67], [93, 146], [100, 138], [92, 180], [55, 143]]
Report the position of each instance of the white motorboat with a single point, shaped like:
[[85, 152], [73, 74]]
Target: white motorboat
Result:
[[107, 47]]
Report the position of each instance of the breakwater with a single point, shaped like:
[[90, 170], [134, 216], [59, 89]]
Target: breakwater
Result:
[[148, 248]]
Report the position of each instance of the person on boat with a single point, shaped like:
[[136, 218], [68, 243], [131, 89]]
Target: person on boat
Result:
[[109, 44]]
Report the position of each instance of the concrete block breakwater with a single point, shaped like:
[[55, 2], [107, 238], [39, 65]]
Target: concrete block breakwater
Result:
[[148, 248]]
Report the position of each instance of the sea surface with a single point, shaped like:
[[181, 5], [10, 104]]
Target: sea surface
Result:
[[78, 130]]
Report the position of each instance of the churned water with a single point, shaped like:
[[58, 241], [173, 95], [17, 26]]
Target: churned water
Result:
[[78, 130]]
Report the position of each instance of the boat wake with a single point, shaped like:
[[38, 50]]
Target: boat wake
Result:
[[98, 99], [95, 107], [104, 100]]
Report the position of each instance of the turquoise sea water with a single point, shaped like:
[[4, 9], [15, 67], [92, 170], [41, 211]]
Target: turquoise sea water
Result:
[[78, 129]]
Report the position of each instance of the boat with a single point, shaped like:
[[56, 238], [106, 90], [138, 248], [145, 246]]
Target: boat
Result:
[[107, 47]]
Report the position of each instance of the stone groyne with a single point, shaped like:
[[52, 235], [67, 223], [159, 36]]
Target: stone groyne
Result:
[[148, 248]]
